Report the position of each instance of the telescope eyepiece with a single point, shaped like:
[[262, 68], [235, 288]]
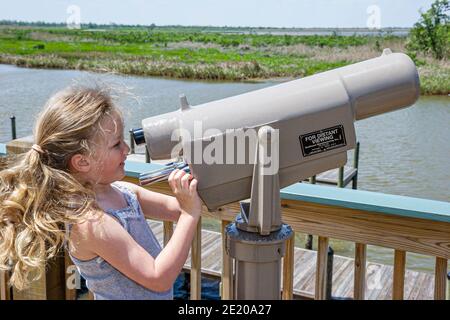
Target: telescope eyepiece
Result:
[[138, 136]]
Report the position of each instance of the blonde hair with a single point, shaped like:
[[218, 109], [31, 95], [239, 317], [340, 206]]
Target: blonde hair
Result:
[[38, 194]]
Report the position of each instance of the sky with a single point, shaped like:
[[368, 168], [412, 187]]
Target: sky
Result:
[[252, 13]]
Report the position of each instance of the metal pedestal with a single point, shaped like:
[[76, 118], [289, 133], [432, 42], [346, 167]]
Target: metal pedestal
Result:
[[257, 239]]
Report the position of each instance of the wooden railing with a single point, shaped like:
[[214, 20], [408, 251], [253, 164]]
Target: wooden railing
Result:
[[404, 224]]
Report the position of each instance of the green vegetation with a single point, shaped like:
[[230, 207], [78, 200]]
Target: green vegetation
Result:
[[431, 34], [210, 53]]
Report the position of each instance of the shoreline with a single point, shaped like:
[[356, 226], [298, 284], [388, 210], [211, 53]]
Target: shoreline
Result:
[[35, 64]]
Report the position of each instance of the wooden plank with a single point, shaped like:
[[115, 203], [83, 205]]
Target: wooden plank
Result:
[[308, 283], [207, 240], [321, 269], [387, 283], [418, 282], [360, 271], [419, 285], [305, 265], [343, 280], [215, 265], [168, 231], [210, 249], [196, 263], [288, 269], [399, 275], [426, 289], [341, 271], [348, 283], [410, 280], [304, 268], [374, 280], [440, 279], [227, 268]]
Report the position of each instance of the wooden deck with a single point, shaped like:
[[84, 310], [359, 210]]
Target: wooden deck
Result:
[[379, 278]]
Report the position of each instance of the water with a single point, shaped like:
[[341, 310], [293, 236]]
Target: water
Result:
[[403, 152], [25, 91]]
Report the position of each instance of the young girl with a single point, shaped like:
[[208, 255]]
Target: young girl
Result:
[[67, 188]]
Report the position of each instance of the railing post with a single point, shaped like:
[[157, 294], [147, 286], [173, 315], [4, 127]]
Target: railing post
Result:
[[440, 278], [288, 269], [132, 151], [13, 127], [5, 290], [168, 231], [360, 271], [321, 269], [227, 269], [196, 263], [399, 275]]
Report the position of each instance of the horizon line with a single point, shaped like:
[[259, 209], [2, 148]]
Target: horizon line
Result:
[[199, 26]]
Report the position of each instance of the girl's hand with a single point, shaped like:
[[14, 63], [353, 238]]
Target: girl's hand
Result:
[[184, 188]]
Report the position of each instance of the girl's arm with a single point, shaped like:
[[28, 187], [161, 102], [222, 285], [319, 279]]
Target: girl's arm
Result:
[[104, 236], [156, 205]]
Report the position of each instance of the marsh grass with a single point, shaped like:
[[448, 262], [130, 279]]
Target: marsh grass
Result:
[[206, 56]]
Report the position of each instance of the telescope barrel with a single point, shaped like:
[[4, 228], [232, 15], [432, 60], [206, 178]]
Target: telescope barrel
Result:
[[371, 87], [381, 85], [314, 117]]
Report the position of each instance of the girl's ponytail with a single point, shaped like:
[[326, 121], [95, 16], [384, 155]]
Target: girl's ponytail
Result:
[[38, 194]]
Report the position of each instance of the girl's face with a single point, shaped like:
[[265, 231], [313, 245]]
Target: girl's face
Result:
[[110, 151]]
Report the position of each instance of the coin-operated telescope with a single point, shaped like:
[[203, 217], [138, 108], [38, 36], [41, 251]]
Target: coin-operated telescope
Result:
[[253, 144]]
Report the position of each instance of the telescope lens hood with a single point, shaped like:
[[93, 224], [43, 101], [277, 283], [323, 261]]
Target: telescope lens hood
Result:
[[138, 136]]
